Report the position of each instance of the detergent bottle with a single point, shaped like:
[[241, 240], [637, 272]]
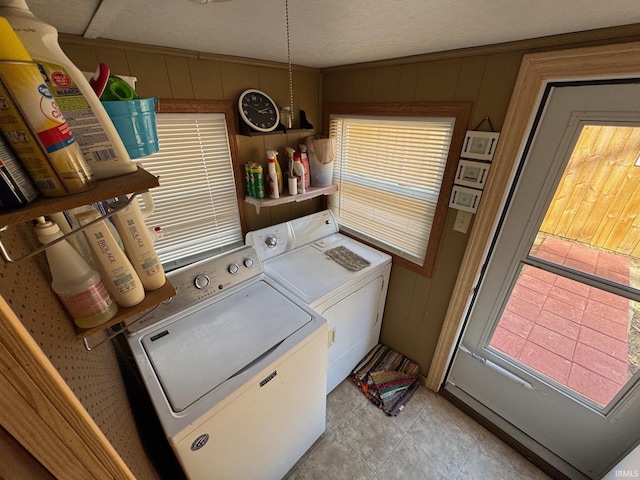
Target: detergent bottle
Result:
[[34, 126], [95, 133]]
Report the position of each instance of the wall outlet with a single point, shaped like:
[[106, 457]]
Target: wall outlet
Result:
[[463, 219]]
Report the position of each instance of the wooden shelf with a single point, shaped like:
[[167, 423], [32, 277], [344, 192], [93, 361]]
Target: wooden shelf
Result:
[[305, 126], [312, 192], [150, 300], [138, 181]]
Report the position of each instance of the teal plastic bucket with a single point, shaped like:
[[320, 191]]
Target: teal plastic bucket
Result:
[[135, 121]]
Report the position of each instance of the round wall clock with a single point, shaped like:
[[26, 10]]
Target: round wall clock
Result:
[[258, 110]]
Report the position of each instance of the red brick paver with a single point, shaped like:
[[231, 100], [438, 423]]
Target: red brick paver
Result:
[[568, 331]]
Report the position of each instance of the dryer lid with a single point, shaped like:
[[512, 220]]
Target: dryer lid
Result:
[[197, 353], [310, 274]]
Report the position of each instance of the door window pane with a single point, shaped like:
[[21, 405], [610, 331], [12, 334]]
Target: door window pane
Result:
[[583, 331], [580, 336]]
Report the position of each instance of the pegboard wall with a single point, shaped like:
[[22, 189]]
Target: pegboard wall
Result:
[[93, 376]]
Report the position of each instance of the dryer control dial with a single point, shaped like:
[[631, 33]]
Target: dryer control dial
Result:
[[248, 262], [271, 241], [201, 281], [233, 268]]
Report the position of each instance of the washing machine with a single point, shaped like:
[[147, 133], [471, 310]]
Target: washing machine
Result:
[[340, 278], [235, 366]]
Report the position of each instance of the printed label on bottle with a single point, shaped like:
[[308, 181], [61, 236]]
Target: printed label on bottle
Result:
[[86, 126], [93, 301], [26, 86], [26, 146], [37, 104]]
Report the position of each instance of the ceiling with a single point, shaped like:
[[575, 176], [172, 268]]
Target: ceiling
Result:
[[325, 33]]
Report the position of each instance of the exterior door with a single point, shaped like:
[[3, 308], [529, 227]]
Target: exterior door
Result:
[[551, 346]]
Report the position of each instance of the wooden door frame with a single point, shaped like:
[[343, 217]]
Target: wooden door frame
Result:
[[617, 61]]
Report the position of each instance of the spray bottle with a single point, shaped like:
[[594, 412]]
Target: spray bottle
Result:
[[291, 177], [99, 141], [272, 174], [298, 169], [304, 158], [78, 286]]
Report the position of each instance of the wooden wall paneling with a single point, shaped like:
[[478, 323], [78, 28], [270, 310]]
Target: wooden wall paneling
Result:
[[307, 98], [236, 78], [470, 79], [275, 83], [437, 80], [396, 310], [151, 71], [205, 77], [408, 82], [610, 61], [498, 79], [413, 346], [84, 56], [181, 79], [116, 58], [348, 86], [386, 84]]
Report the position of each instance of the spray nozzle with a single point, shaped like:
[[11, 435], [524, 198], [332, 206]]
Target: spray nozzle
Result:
[[290, 151], [272, 154]]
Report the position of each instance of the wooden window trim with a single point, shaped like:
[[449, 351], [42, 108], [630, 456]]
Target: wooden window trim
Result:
[[461, 111]]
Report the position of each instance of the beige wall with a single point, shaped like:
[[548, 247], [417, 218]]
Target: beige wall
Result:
[[416, 305]]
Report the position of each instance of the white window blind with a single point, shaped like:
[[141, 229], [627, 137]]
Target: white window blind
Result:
[[195, 203], [389, 171]]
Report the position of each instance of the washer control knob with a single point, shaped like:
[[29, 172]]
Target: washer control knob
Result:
[[271, 241], [248, 262], [233, 268], [201, 281]]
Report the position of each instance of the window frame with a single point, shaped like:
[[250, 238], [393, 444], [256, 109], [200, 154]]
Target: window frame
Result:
[[461, 111], [229, 109]]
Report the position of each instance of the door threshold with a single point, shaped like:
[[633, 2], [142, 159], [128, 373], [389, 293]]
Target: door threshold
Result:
[[556, 468]]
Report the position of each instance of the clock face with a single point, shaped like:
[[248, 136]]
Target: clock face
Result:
[[258, 110]]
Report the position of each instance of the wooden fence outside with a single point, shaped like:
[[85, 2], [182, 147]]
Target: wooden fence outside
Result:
[[598, 199]]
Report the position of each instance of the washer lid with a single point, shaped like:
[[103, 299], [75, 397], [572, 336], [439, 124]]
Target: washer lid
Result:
[[196, 353], [310, 274]]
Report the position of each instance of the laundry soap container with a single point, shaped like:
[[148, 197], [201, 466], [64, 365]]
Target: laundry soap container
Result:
[[95, 133], [321, 152]]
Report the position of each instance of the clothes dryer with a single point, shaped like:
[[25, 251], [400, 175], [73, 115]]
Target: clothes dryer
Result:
[[342, 279]]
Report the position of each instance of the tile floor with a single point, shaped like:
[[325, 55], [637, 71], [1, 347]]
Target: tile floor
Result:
[[429, 440]]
